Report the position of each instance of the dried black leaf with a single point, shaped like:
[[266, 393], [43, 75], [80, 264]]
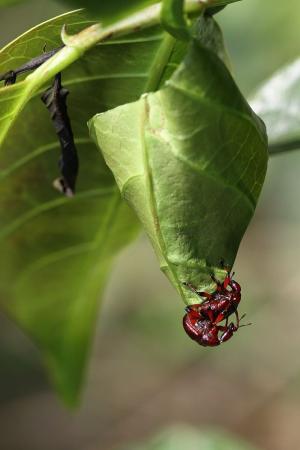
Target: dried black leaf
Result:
[[55, 99]]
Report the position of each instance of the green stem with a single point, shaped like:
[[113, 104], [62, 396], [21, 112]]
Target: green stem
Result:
[[159, 64], [276, 149], [78, 44]]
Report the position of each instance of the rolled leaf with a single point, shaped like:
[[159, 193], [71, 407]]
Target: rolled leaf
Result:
[[191, 160]]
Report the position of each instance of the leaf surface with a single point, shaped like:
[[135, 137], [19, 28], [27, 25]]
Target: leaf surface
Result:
[[277, 101], [188, 438], [191, 160], [9, 2], [57, 252]]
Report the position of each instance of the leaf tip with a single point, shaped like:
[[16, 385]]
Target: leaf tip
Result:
[[67, 383], [65, 37]]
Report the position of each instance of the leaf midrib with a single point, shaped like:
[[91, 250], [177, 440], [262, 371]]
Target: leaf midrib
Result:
[[159, 63], [151, 195], [47, 206], [21, 162]]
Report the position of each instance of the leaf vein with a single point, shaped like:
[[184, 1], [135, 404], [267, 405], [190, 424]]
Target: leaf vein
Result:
[[51, 205], [215, 105]]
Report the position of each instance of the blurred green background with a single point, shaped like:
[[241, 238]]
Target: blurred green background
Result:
[[145, 374]]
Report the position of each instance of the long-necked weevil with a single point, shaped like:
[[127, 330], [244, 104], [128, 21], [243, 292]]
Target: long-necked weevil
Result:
[[222, 302], [206, 332], [202, 320]]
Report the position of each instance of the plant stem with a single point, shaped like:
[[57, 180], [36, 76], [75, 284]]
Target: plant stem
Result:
[[159, 63], [77, 45], [277, 149]]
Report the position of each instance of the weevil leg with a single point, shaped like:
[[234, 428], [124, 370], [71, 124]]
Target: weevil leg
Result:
[[244, 324], [238, 319], [228, 332], [218, 283], [192, 288], [210, 315], [220, 317], [204, 294], [227, 280], [226, 336]]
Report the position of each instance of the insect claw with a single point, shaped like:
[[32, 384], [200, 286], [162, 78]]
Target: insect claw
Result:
[[212, 276]]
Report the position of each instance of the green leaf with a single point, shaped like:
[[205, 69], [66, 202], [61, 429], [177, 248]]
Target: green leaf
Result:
[[277, 102], [181, 437], [57, 252], [208, 33], [173, 20], [191, 160], [9, 2]]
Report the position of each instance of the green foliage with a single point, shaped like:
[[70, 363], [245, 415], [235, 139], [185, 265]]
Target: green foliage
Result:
[[9, 2], [188, 438], [277, 102], [56, 252], [191, 160], [189, 155]]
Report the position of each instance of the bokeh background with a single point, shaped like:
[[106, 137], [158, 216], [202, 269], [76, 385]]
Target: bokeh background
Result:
[[145, 374]]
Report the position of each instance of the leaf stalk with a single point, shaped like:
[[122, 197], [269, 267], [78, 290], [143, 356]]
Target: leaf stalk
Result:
[[78, 44]]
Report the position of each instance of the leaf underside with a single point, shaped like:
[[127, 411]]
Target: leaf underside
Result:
[[57, 252], [191, 160]]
